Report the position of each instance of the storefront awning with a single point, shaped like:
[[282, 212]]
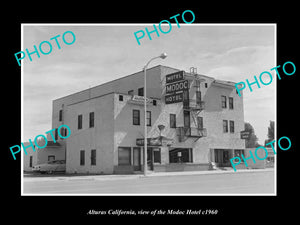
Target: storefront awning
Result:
[[156, 141]]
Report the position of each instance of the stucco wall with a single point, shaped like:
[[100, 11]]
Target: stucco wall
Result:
[[100, 137]]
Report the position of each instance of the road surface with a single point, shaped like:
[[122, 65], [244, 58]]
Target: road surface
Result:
[[195, 184]]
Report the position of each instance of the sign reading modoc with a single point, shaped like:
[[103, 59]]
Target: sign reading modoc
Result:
[[175, 86]]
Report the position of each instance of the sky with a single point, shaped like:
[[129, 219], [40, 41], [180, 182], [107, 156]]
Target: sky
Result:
[[105, 52]]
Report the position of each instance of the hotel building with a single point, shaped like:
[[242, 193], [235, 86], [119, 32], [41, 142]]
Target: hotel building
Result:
[[193, 120]]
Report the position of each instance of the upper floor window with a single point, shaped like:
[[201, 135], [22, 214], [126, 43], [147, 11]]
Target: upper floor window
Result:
[[92, 119], [172, 120], [231, 126], [200, 122], [141, 91], [79, 125], [224, 102], [60, 115], [225, 126], [230, 102], [136, 117], [148, 118]]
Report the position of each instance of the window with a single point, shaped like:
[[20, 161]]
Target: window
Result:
[[51, 158], [56, 134], [120, 98], [225, 126], [230, 103], [30, 161], [200, 122], [141, 91], [92, 119], [93, 157], [198, 97], [148, 118], [60, 115], [64, 132], [186, 101], [79, 122], [154, 102], [238, 153], [231, 126], [205, 85], [224, 103], [124, 156], [181, 155], [186, 119], [131, 92], [136, 117], [172, 120], [82, 160], [156, 155]]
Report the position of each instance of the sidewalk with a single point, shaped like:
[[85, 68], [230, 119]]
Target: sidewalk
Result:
[[136, 176]]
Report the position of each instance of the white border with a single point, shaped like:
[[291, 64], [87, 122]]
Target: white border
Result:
[[145, 24]]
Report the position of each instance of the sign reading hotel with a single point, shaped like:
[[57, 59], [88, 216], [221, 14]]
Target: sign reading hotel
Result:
[[175, 85], [174, 98]]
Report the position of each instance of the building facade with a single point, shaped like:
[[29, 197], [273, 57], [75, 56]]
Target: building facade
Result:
[[193, 121]]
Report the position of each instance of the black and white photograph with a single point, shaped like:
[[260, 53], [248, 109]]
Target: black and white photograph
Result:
[[207, 121], [150, 112]]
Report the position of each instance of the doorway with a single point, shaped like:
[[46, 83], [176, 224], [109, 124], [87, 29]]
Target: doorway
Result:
[[136, 158], [222, 157], [149, 158]]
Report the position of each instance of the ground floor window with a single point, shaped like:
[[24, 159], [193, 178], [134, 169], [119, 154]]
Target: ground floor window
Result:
[[82, 157], [30, 161], [181, 155], [93, 157], [124, 156], [238, 153]]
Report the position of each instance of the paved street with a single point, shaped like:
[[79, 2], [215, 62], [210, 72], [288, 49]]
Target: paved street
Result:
[[214, 183]]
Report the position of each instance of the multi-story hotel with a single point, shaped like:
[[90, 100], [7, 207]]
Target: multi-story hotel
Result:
[[193, 120]]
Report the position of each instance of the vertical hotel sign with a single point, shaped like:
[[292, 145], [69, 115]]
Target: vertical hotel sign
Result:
[[175, 86]]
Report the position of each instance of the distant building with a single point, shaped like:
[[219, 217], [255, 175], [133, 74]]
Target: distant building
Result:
[[192, 120]]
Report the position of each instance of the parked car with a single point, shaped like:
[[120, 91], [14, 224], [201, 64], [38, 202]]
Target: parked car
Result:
[[51, 166]]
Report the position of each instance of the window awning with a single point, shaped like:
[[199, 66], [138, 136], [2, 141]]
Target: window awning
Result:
[[156, 141]]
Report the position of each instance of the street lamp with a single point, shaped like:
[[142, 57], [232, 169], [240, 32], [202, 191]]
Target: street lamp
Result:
[[162, 56]]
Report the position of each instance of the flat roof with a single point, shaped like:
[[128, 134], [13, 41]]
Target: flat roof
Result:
[[188, 73]]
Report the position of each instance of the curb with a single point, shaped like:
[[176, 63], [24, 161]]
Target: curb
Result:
[[136, 176]]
